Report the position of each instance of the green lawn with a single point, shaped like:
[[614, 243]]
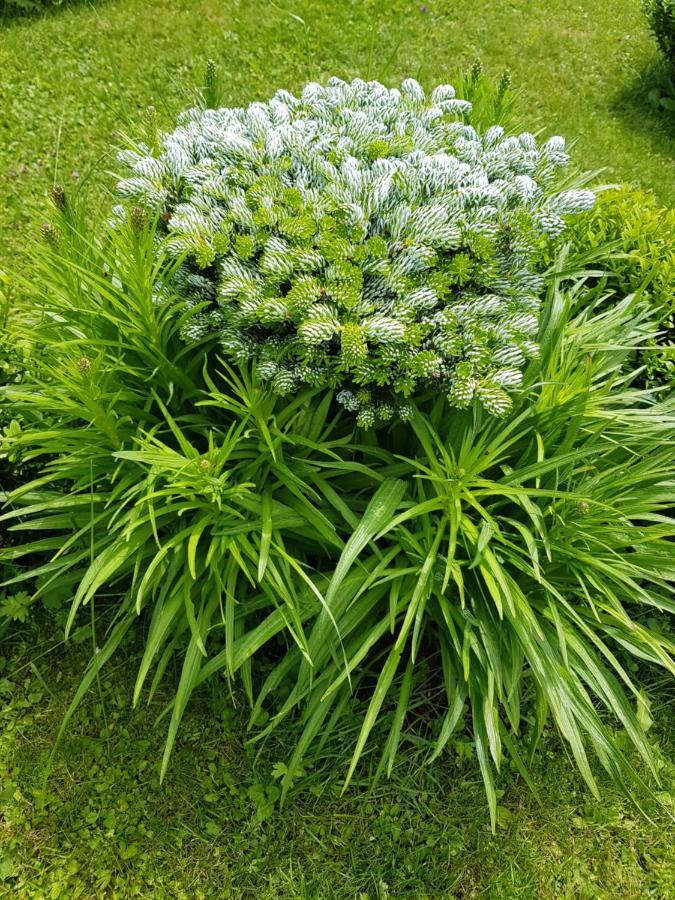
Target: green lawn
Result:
[[104, 827], [70, 80]]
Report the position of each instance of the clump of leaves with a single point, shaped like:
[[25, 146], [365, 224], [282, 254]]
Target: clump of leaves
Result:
[[661, 18], [13, 352], [492, 100], [14, 361], [361, 239], [634, 238], [14, 607], [510, 566]]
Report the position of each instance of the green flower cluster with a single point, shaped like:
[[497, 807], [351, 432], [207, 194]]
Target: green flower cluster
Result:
[[361, 239]]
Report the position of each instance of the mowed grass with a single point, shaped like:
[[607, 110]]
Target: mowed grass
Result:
[[105, 827], [71, 80]]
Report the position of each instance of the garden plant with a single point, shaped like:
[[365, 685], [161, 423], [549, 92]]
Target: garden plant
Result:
[[336, 428], [349, 406]]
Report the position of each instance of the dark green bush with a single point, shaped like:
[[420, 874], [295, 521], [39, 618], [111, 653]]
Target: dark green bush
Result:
[[661, 17], [11, 8], [30, 6]]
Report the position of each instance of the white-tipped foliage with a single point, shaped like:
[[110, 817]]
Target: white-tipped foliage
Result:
[[358, 207]]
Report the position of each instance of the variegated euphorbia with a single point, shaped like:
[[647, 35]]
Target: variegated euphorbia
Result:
[[360, 238]]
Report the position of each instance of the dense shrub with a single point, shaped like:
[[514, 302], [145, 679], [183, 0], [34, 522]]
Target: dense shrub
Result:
[[661, 17], [360, 238], [513, 565], [641, 238], [30, 6], [35, 8]]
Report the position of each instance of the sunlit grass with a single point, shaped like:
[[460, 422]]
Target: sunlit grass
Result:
[[72, 79]]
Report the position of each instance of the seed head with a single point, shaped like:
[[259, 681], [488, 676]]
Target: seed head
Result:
[[504, 83], [58, 195], [150, 125], [211, 85], [138, 219], [84, 365], [50, 232], [205, 466], [583, 506], [476, 70]]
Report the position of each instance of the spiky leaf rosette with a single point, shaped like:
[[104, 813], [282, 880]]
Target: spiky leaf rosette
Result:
[[360, 238]]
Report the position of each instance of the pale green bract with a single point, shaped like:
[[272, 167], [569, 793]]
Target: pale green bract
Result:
[[360, 238]]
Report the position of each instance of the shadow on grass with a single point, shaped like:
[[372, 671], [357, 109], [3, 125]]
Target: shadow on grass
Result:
[[647, 103], [14, 12]]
